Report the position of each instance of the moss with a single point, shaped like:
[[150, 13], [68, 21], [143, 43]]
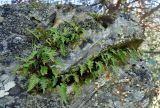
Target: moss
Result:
[[133, 44]]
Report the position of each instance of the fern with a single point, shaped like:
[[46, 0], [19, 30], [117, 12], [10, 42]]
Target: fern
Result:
[[44, 70], [66, 78], [113, 61], [76, 77], [44, 83], [133, 53], [46, 54], [113, 51], [26, 66], [59, 62], [54, 81], [62, 89], [83, 68], [77, 89], [42, 64], [33, 81], [100, 67], [33, 32], [90, 64], [55, 72], [108, 55], [122, 55], [88, 82], [30, 57], [62, 49]]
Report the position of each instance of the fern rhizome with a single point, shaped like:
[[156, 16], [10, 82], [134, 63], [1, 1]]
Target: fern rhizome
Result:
[[39, 65]]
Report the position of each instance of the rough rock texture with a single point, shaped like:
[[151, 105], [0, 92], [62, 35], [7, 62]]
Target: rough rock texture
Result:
[[119, 33], [129, 91], [133, 88]]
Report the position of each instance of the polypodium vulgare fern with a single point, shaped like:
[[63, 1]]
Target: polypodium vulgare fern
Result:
[[40, 65], [37, 67], [57, 39], [62, 89]]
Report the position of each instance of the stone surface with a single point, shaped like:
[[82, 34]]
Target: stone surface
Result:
[[132, 89], [125, 92], [1, 19], [119, 33]]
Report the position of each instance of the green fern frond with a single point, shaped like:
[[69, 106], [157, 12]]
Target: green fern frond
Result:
[[132, 53], [46, 54], [33, 81], [76, 77], [100, 67], [114, 61], [90, 64], [88, 82], [43, 83], [43, 70], [77, 89], [62, 89], [62, 49], [83, 68], [30, 57], [113, 51], [59, 62], [108, 55], [122, 55], [66, 78], [37, 36], [104, 59], [42, 32], [54, 81], [55, 72]]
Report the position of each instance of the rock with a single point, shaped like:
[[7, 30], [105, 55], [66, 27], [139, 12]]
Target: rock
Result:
[[3, 93], [6, 83], [15, 91], [1, 48], [119, 33], [138, 95], [119, 93], [1, 19], [133, 85], [7, 87], [6, 100], [4, 77]]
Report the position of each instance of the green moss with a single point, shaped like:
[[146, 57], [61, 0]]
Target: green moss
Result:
[[133, 44]]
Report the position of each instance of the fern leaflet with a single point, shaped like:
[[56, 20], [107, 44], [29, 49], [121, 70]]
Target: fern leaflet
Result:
[[44, 84], [62, 89], [33, 81]]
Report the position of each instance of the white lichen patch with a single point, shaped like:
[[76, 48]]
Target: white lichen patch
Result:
[[7, 87]]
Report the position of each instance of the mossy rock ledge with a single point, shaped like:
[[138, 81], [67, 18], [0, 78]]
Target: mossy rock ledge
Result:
[[132, 88]]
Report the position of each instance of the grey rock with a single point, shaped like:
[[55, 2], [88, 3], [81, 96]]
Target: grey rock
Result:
[[1, 19], [15, 91], [139, 95], [122, 30], [127, 91], [4, 77], [1, 47], [6, 100]]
